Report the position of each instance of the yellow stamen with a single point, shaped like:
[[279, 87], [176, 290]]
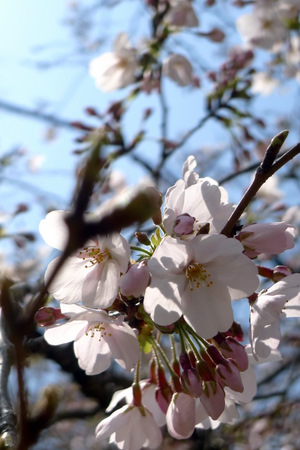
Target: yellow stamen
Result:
[[197, 276]]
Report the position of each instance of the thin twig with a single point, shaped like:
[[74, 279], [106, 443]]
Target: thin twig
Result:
[[266, 169]]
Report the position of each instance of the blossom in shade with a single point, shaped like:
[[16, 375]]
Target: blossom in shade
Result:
[[92, 274], [271, 238], [148, 400], [198, 279], [115, 70], [130, 428], [179, 69], [281, 299], [98, 338]]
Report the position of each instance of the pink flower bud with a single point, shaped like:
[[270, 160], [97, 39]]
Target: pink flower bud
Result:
[[192, 382], [271, 238], [135, 280], [163, 398], [213, 399], [232, 349], [280, 272], [47, 316], [231, 376], [184, 225]]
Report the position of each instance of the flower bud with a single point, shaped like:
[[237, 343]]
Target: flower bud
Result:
[[184, 225], [134, 282], [47, 316], [142, 238], [280, 272]]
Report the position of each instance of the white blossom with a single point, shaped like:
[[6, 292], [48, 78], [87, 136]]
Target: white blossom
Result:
[[281, 299], [130, 428], [92, 274], [97, 337], [115, 70]]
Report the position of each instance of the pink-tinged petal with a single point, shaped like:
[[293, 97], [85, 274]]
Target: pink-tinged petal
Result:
[[135, 280], [174, 199], [100, 286], [54, 230], [123, 394], [66, 332], [250, 387], [124, 345], [208, 310], [266, 310], [267, 339], [72, 310], [152, 431], [109, 425], [201, 413], [67, 285], [118, 248], [172, 255], [230, 414], [208, 207], [130, 428], [181, 416], [223, 259], [92, 353], [149, 401], [162, 300]]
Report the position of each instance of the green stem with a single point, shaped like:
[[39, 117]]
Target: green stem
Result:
[[140, 249], [164, 357]]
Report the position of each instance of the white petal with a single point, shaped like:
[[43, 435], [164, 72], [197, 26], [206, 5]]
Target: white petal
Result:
[[63, 333], [67, 285], [208, 309], [93, 353], [54, 229], [124, 345]]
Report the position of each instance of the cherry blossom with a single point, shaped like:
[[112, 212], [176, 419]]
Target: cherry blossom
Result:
[[281, 299], [263, 26], [148, 390], [92, 274], [115, 70], [201, 199], [179, 69], [130, 428], [97, 337], [198, 279]]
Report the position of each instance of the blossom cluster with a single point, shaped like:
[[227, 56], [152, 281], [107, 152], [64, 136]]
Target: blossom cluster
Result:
[[181, 286]]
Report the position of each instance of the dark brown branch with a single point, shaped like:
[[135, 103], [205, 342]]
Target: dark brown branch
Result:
[[266, 169], [8, 419]]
